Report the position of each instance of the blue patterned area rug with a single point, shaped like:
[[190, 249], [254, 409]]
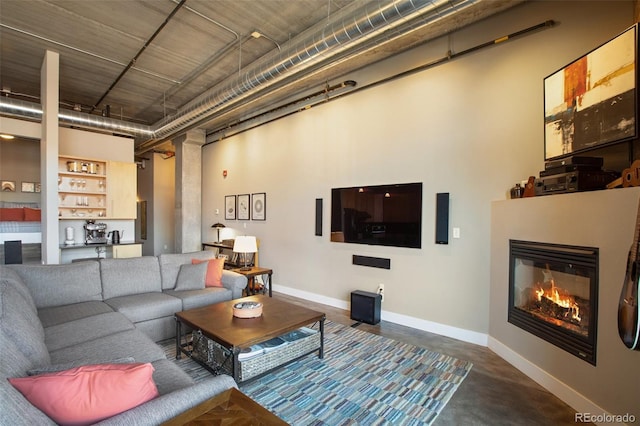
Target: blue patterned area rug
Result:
[[363, 379]]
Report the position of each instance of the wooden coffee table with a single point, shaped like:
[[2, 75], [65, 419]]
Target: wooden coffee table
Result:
[[216, 322], [229, 407]]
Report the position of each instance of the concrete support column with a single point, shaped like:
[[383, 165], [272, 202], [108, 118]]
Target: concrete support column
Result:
[[188, 204], [49, 141]]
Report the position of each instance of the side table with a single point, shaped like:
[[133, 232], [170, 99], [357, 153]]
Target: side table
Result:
[[253, 272]]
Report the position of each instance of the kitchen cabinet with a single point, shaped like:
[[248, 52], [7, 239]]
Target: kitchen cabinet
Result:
[[121, 198]]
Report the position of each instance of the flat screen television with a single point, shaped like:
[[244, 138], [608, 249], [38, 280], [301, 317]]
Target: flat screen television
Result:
[[386, 215]]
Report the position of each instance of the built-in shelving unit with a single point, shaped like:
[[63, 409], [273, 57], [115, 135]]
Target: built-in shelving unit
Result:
[[82, 188], [96, 189]]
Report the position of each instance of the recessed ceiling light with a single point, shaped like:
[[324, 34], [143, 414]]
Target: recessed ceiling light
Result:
[[5, 136]]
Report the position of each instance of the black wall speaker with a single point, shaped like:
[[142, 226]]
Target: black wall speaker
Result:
[[442, 218], [374, 262], [365, 306], [319, 217]]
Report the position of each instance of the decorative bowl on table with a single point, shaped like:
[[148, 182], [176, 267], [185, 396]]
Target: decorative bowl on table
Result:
[[247, 309]]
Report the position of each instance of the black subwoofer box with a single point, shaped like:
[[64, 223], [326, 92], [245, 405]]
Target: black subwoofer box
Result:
[[365, 306]]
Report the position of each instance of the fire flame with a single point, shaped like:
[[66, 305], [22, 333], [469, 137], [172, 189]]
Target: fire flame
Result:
[[566, 302]]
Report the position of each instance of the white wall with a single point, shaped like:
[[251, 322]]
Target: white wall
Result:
[[472, 127]]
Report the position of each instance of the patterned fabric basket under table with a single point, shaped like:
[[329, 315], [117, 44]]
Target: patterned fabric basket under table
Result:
[[220, 358]]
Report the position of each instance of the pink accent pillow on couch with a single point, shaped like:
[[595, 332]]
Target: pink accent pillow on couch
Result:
[[90, 393], [214, 272]]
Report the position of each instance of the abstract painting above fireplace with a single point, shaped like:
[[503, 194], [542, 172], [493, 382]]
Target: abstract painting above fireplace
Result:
[[553, 294]]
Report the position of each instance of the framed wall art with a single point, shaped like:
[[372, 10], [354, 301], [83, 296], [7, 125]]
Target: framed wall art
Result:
[[230, 207], [591, 102], [8, 186], [243, 207], [28, 187], [259, 206]]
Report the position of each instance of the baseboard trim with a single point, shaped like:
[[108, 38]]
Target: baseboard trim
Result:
[[417, 323], [570, 396]]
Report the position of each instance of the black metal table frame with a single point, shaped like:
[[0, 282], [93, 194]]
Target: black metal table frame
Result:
[[181, 348]]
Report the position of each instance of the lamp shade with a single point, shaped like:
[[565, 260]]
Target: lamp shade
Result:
[[218, 225], [245, 244]]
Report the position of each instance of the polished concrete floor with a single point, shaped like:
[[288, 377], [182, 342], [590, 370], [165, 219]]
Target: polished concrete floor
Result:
[[494, 392]]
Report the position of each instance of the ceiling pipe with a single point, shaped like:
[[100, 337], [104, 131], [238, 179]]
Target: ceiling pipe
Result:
[[33, 111], [343, 31], [320, 44]]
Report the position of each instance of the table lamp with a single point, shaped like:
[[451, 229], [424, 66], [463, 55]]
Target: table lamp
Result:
[[245, 244], [218, 226]]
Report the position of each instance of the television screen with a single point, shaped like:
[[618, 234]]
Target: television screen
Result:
[[386, 215]]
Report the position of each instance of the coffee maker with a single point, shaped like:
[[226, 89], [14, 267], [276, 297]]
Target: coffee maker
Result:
[[95, 233]]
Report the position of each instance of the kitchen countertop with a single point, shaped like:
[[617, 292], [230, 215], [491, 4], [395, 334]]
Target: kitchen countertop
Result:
[[83, 245]]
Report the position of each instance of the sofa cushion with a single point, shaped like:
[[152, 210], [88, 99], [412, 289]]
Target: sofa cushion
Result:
[[130, 343], [135, 275], [146, 306], [20, 325], [192, 299], [66, 313], [214, 271], [82, 330], [170, 265], [169, 377], [55, 285], [191, 277], [85, 395], [16, 410]]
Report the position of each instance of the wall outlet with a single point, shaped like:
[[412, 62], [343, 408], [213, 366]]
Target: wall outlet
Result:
[[381, 291]]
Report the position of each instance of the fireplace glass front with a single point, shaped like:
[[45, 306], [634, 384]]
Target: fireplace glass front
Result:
[[553, 294]]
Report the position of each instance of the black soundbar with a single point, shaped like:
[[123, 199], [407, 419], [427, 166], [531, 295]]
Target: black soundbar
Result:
[[374, 262]]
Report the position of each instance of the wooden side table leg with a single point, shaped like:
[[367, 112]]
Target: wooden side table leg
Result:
[[270, 285]]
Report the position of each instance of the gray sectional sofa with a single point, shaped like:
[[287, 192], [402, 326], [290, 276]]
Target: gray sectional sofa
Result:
[[54, 317]]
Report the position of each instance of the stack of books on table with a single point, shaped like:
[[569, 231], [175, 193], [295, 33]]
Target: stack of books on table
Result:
[[274, 343]]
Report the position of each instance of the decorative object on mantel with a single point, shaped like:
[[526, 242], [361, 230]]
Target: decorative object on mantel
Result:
[[628, 321], [247, 310], [245, 244], [516, 191], [218, 226], [529, 188]]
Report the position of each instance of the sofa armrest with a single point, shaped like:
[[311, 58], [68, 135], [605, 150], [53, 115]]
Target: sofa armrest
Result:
[[168, 406], [235, 282]]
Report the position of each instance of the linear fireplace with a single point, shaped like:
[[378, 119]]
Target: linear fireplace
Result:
[[553, 294]]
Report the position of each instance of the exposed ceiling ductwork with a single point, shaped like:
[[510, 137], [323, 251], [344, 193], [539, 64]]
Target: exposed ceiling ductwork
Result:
[[348, 32]]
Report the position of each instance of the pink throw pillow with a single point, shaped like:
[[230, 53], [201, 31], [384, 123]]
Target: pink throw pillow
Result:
[[11, 214], [214, 272], [32, 215], [90, 393]]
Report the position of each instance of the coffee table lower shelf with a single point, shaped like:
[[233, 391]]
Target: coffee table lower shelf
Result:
[[221, 360]]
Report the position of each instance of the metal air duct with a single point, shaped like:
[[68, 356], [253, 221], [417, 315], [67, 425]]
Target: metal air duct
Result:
[[33, 111], [320, 44], [340, 34]]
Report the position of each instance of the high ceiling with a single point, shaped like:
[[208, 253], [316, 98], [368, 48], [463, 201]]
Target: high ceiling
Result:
[[146, 61]]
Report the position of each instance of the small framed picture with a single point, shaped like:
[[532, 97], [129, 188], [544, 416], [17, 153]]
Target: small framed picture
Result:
[[28, 187], [8, 186], [259, 206], [230, 207], [38, 187], [243, 207]]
